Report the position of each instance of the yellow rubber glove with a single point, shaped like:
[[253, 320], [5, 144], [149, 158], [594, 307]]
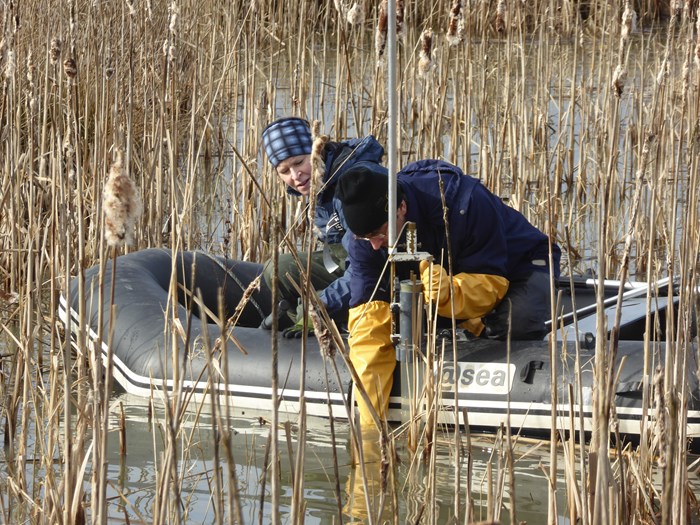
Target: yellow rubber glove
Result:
[[372, 355], [475, 294]]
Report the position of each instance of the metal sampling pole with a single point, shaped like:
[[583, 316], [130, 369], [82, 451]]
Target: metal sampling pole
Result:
[[410, 305], [392, 96]]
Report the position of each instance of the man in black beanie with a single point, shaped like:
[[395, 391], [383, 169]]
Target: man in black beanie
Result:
[[492, 253]]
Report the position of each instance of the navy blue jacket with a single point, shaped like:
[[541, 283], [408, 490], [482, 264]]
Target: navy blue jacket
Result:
[[329, 221], [486, 235]]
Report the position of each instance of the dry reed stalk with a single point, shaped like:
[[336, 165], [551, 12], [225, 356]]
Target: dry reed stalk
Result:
[[273, 436], [157, 107]]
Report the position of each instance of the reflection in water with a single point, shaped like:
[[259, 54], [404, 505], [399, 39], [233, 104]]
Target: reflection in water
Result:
[[419, 486], [366, 485]]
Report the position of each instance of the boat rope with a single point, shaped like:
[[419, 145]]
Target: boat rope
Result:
[[235, 279]]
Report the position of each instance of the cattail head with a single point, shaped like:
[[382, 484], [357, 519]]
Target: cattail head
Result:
[[174, 12], [355, 15], [619, 78], [10, 64], [318, 163], [676, 8], [169, 50], [340, 7], [122, 205], [455, 28], [31, 69], [324, 336], [629, 21], [501, 13], [70, 68], [425, 61], [381, 34], [55, 50], [400, 8]]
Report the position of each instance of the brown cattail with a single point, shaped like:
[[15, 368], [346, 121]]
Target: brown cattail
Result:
[[122, 205], [676, 8], [629, 21], [425, 61], [400, 8], [324, 336], [55, 50], [355, 14], [174, 13], [70, 68], [10, 64], [31, 69], [619, 78], [318, 164], [340, 7], [169, 50], [501, 16], [380, 36], [455, 28]]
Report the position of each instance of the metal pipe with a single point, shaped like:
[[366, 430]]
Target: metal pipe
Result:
[[392, 96], [408, 349]]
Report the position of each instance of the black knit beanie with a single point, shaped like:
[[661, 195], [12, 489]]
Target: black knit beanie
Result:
[[362, 190]]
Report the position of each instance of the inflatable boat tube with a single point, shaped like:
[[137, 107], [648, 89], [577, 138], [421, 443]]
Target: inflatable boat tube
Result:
[[147, 333]]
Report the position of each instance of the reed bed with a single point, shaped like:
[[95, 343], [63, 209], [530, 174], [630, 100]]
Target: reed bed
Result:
[[581, 114]]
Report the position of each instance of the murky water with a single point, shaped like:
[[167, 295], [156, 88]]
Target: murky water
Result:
[[134, 474]]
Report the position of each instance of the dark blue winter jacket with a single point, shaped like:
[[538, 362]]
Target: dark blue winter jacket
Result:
[[486, 236]]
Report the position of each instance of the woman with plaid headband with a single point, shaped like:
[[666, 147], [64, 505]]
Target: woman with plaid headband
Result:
[[287, 143]]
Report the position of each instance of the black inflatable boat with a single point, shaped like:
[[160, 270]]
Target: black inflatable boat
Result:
[[486, 386]]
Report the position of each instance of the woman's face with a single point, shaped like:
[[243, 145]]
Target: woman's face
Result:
[[296, 173]]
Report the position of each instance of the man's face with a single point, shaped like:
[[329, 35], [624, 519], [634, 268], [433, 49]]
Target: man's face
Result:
[[379, 238], [296, 173]]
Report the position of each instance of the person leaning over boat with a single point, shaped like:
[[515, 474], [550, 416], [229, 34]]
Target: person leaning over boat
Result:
[[287, 142], [497, 263]]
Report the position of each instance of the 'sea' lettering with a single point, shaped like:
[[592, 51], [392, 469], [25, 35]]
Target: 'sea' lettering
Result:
[[499, 378], [467, 376], [482, 378]]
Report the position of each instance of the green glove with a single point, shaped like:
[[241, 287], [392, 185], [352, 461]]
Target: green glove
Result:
[[297, 329]]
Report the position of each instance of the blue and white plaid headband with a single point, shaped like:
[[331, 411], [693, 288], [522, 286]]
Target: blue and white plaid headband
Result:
[[286, 137]]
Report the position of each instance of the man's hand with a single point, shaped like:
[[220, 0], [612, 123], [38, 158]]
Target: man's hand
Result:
[[475, 294], [436, 283]]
